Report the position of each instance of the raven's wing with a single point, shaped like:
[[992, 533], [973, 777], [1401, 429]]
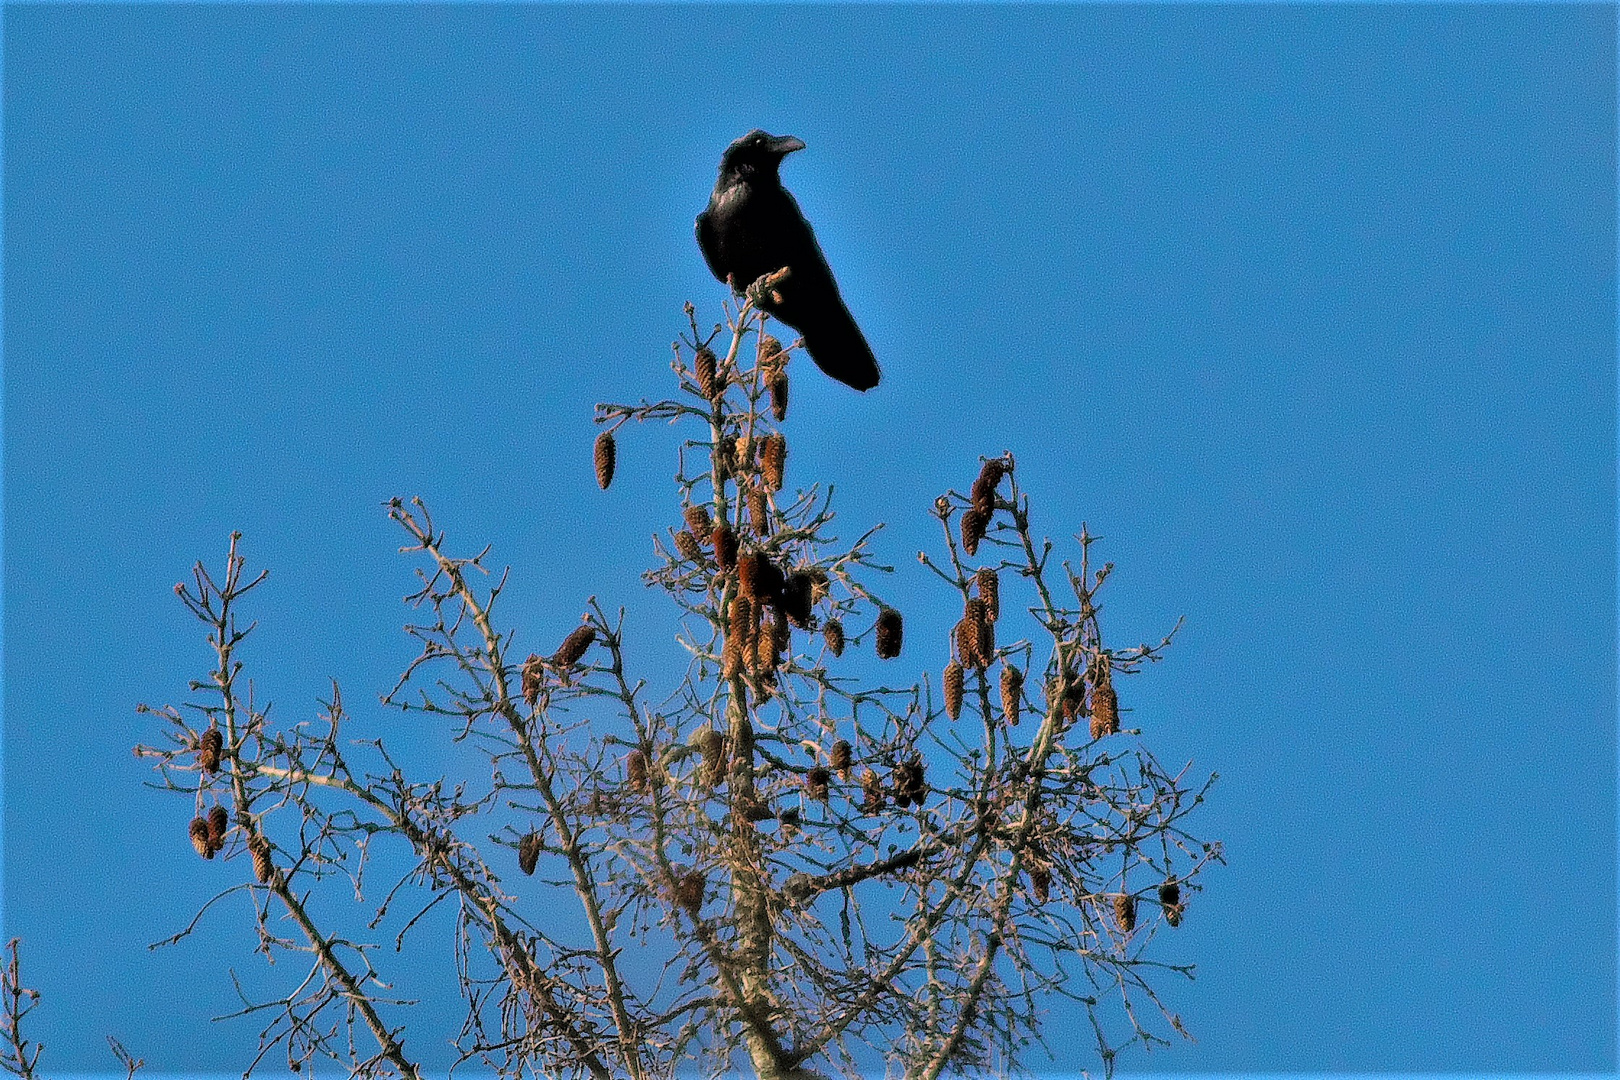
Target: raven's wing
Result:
[[709, 244]]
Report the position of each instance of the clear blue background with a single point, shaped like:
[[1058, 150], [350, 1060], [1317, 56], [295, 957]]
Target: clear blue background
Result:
[[1308, 310]]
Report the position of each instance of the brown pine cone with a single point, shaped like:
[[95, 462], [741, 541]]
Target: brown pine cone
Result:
[[1170, 901], [759, 510], [975, 522], [816, 783], [733, 657], [969, 647], [1012, 693], [910, 787], [198, 830], [890, 633], [777, 383], [529, 852], [713, 745], [697, 520], [534, 674], [1040, 880], [704, 370], [984, 488], [989, 584], [841, 757], [689, 891], [953, 687], [218, 823], [264, 867], [748, 574], [833, 634], [744, 620], [209, 748], [1104, 711], [604, 454], [1125, 911], [768, 354], [725, 546], [773, 460], [635, 772], [689, 548], [573, 647], [871, 792]]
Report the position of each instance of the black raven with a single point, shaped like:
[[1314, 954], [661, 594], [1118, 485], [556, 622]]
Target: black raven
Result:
[[753, 227]]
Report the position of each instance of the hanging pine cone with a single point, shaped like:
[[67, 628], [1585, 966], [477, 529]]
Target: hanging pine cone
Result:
[[796, 598], [969, 647], [816, 783], [773, 459], [890, 633], [218, 822], [977, 612], [725, 546], [984, 488], [534, 673], [833, 634], [871, 792], [974, 525], [910, 787], [211, 745], [635, 772], [1040, 880], [689, 888], [769, 354], [759, 510], [777, 383], [1104, 709], [1125, 911], [767, 655], [573, 647], [688, 548], [529, 852], [198, 830], [749, 570], [704, 371], [744, 620], [604, 454], [952, 680], [901, 788], [264, 867], [1012, 693], [1170, 901], [697, 520], [989, 584], [713, 745], [743, 453], [733, 657], [841, 757]]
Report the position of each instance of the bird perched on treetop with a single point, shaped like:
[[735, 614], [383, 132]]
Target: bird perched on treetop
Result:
[[752, 227]]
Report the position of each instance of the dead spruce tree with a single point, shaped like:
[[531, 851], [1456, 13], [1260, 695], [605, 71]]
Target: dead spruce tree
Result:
[[771, 865]]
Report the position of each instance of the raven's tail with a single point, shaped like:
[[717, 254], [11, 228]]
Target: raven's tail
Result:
[[838, 348]]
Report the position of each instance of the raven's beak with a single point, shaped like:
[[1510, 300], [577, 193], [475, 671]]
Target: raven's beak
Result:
[[786, 144]]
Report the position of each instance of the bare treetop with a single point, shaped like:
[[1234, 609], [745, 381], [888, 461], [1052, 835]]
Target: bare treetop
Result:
[[811, 871]]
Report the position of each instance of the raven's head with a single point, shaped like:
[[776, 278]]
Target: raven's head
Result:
[[757, 153]]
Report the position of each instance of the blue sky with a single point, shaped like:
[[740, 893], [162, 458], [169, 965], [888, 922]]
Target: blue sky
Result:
[[1309, 311]]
